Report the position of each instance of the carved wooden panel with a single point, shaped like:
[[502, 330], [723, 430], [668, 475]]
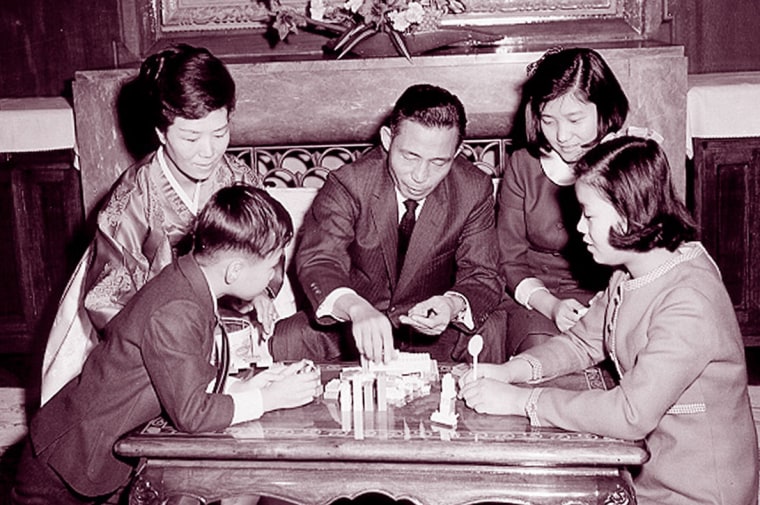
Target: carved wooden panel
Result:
[[727, 205], [308, 165]]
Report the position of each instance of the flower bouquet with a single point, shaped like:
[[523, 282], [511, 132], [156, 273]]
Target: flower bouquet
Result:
[[351, 22]]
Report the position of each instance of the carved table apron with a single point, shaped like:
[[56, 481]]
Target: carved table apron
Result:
[[311, 455]]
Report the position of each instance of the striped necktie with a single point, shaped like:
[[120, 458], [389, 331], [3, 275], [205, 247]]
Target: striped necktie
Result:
[[405, 228]]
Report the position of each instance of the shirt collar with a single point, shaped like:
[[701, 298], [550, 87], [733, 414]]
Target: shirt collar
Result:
[[556, 169]]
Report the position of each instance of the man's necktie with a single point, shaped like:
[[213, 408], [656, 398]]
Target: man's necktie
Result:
[[405, 228], [222, 361]]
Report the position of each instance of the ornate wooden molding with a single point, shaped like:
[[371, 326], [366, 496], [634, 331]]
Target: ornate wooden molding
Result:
[[203, 15], [145, 23]]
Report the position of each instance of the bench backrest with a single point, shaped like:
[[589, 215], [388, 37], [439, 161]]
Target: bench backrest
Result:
[[342, 103]]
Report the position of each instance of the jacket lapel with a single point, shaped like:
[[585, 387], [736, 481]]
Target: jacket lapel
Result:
[[384, 212]]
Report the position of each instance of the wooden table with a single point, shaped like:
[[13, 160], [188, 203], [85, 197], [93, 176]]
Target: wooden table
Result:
[[310, 455]]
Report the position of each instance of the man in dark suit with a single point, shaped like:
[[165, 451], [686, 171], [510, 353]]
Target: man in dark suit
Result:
[[424, 292]]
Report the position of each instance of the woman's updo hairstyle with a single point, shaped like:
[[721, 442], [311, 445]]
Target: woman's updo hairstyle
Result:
[[185, 81], [633, 175]]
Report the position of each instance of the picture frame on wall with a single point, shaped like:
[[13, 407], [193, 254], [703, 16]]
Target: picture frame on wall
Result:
[[146, 24]]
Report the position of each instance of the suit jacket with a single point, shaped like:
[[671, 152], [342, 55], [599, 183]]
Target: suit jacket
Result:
[[349, 239], [155, 356]]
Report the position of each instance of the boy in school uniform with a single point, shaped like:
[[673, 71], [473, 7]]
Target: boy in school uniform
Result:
[[157, 357]]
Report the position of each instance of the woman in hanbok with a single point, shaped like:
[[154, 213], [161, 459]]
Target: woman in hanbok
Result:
[[150, 209]]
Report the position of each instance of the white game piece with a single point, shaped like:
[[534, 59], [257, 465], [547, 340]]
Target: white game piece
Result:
[[332, 389], [369, 396], [474, 346], [356, 390], [345, 420], [381, 383], [407, 363], [446, 414], [344, 396], [358, 407]]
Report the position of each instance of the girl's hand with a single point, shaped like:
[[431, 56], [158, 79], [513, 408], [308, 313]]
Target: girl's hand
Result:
[[491, 396], [266, 313], [487, 370], [567, 312], [513, 371]]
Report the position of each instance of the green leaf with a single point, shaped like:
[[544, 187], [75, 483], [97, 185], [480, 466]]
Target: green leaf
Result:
[[368, 31], [398, 42], [355, 31]]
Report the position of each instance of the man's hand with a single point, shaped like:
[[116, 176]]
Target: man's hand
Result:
[[371, 328], [432, 316]]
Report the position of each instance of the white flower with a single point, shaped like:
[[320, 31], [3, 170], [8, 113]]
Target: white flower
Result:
[[317, 10], [398, 20], [353, 5], [415, 13]]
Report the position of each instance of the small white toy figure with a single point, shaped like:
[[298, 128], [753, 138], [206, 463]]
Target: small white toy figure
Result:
[[446, 413]]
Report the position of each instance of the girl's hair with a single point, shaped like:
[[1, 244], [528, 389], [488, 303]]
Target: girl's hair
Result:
[[430, 106], [243, 219], [633, 174], [582, 72], [185, 81]]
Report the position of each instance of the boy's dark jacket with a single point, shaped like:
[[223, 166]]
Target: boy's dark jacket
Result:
[[155, 355]]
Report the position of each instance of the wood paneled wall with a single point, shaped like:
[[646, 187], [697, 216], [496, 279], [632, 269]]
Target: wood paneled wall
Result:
[[43, 42]]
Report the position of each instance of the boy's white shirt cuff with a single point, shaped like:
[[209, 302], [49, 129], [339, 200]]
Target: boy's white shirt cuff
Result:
[[465, 315], [326, 307], [526, 288], [249, 405]]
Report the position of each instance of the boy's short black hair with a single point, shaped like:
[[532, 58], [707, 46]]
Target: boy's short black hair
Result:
[[633, 174], [431, 106], [242, 218]]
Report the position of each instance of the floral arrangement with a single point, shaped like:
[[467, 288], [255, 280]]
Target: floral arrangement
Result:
[[356, 20]]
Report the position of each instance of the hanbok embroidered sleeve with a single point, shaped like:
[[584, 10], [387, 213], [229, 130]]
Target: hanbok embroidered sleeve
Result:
[[140, 229]]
